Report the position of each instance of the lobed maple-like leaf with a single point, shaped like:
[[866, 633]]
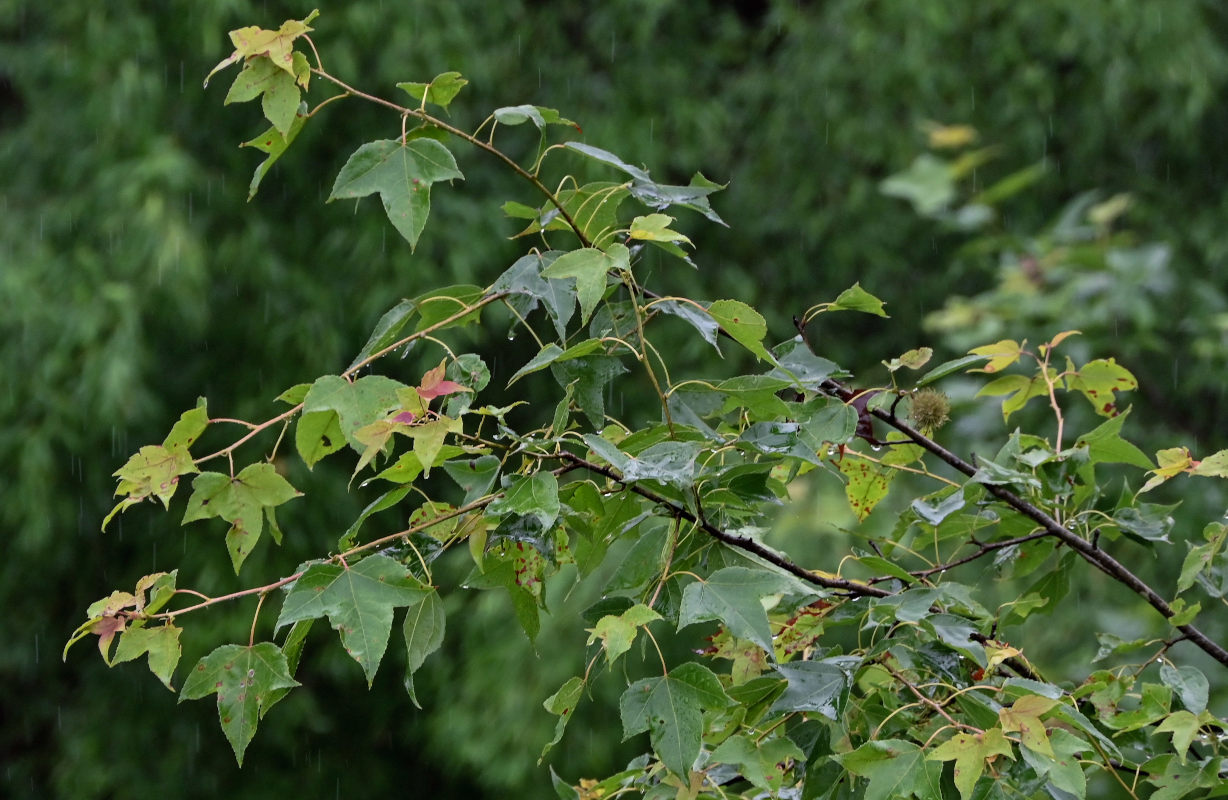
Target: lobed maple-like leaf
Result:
[[241, 501], [402, 174], [241, 677], [671, 708], [358, 601]]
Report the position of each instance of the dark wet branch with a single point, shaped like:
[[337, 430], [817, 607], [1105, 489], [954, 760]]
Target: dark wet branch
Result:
[[1089, 551]]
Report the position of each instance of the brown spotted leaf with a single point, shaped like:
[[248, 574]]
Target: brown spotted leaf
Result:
[[867, 484], [241, 677]]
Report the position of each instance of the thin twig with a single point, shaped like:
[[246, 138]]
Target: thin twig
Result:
[[1094, 555], [747, 544]]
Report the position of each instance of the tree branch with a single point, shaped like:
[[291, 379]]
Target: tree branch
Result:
[[1088, 551], [740, 542]]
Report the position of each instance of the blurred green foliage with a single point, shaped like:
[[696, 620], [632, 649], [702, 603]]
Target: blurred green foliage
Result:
[[133, 279]]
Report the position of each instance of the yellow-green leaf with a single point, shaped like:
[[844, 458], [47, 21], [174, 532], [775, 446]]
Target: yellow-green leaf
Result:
[[1001, 354], [1170, 463], [867, 484], [1098, 380], [743, 323], [970, 751]]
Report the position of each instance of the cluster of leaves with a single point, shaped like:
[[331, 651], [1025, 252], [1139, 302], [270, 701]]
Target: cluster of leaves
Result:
[[879, 674]]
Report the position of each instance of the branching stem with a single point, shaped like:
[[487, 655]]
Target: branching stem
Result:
[[1094, 555]]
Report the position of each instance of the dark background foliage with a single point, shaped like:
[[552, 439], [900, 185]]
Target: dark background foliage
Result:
[[134, 277]]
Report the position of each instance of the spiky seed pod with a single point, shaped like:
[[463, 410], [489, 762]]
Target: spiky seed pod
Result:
[[930, 410]]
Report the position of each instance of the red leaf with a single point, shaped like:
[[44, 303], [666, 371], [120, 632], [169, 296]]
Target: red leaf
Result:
[[440, 389]]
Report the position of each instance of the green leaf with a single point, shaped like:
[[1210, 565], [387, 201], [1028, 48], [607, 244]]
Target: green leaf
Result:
[[441, 91], [239, 501], [593, 208], [356, 405], [274, 143], [913, 359], [358, 602], [437, 305], [928, 183], [856, 298], [277, 88], [948, 368], [826, 423], [524, 281], [402, 174], [884, 566], [1189, 683], [1001, 354], [538, 115], [1021, 389], [694, 315], [1174, 779], [755, 393], [589, 267], [655, 228], [162, 645], [743, 323], [992, 473], [970, 751], [761, 763], [294, 395], [562, 703], [589, 378], [797, 364], [1062, 766], [187, 429], [671, 463], [408, 467], [381, 503], [656, 195], [1105, 445], [1201, 557], [318, 434], [943, 508], [820, 686], [292, 649], [469, 370], [424, 626], [545, 357], [1183, 725], [643, 562], [1170, 463], [734, 596], [386, 331], [1155, 702], [1145, 522], [670, 709], [241, 677], [895, 768], [475, 476], [617, 631], [530, 495], [429, 438]]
